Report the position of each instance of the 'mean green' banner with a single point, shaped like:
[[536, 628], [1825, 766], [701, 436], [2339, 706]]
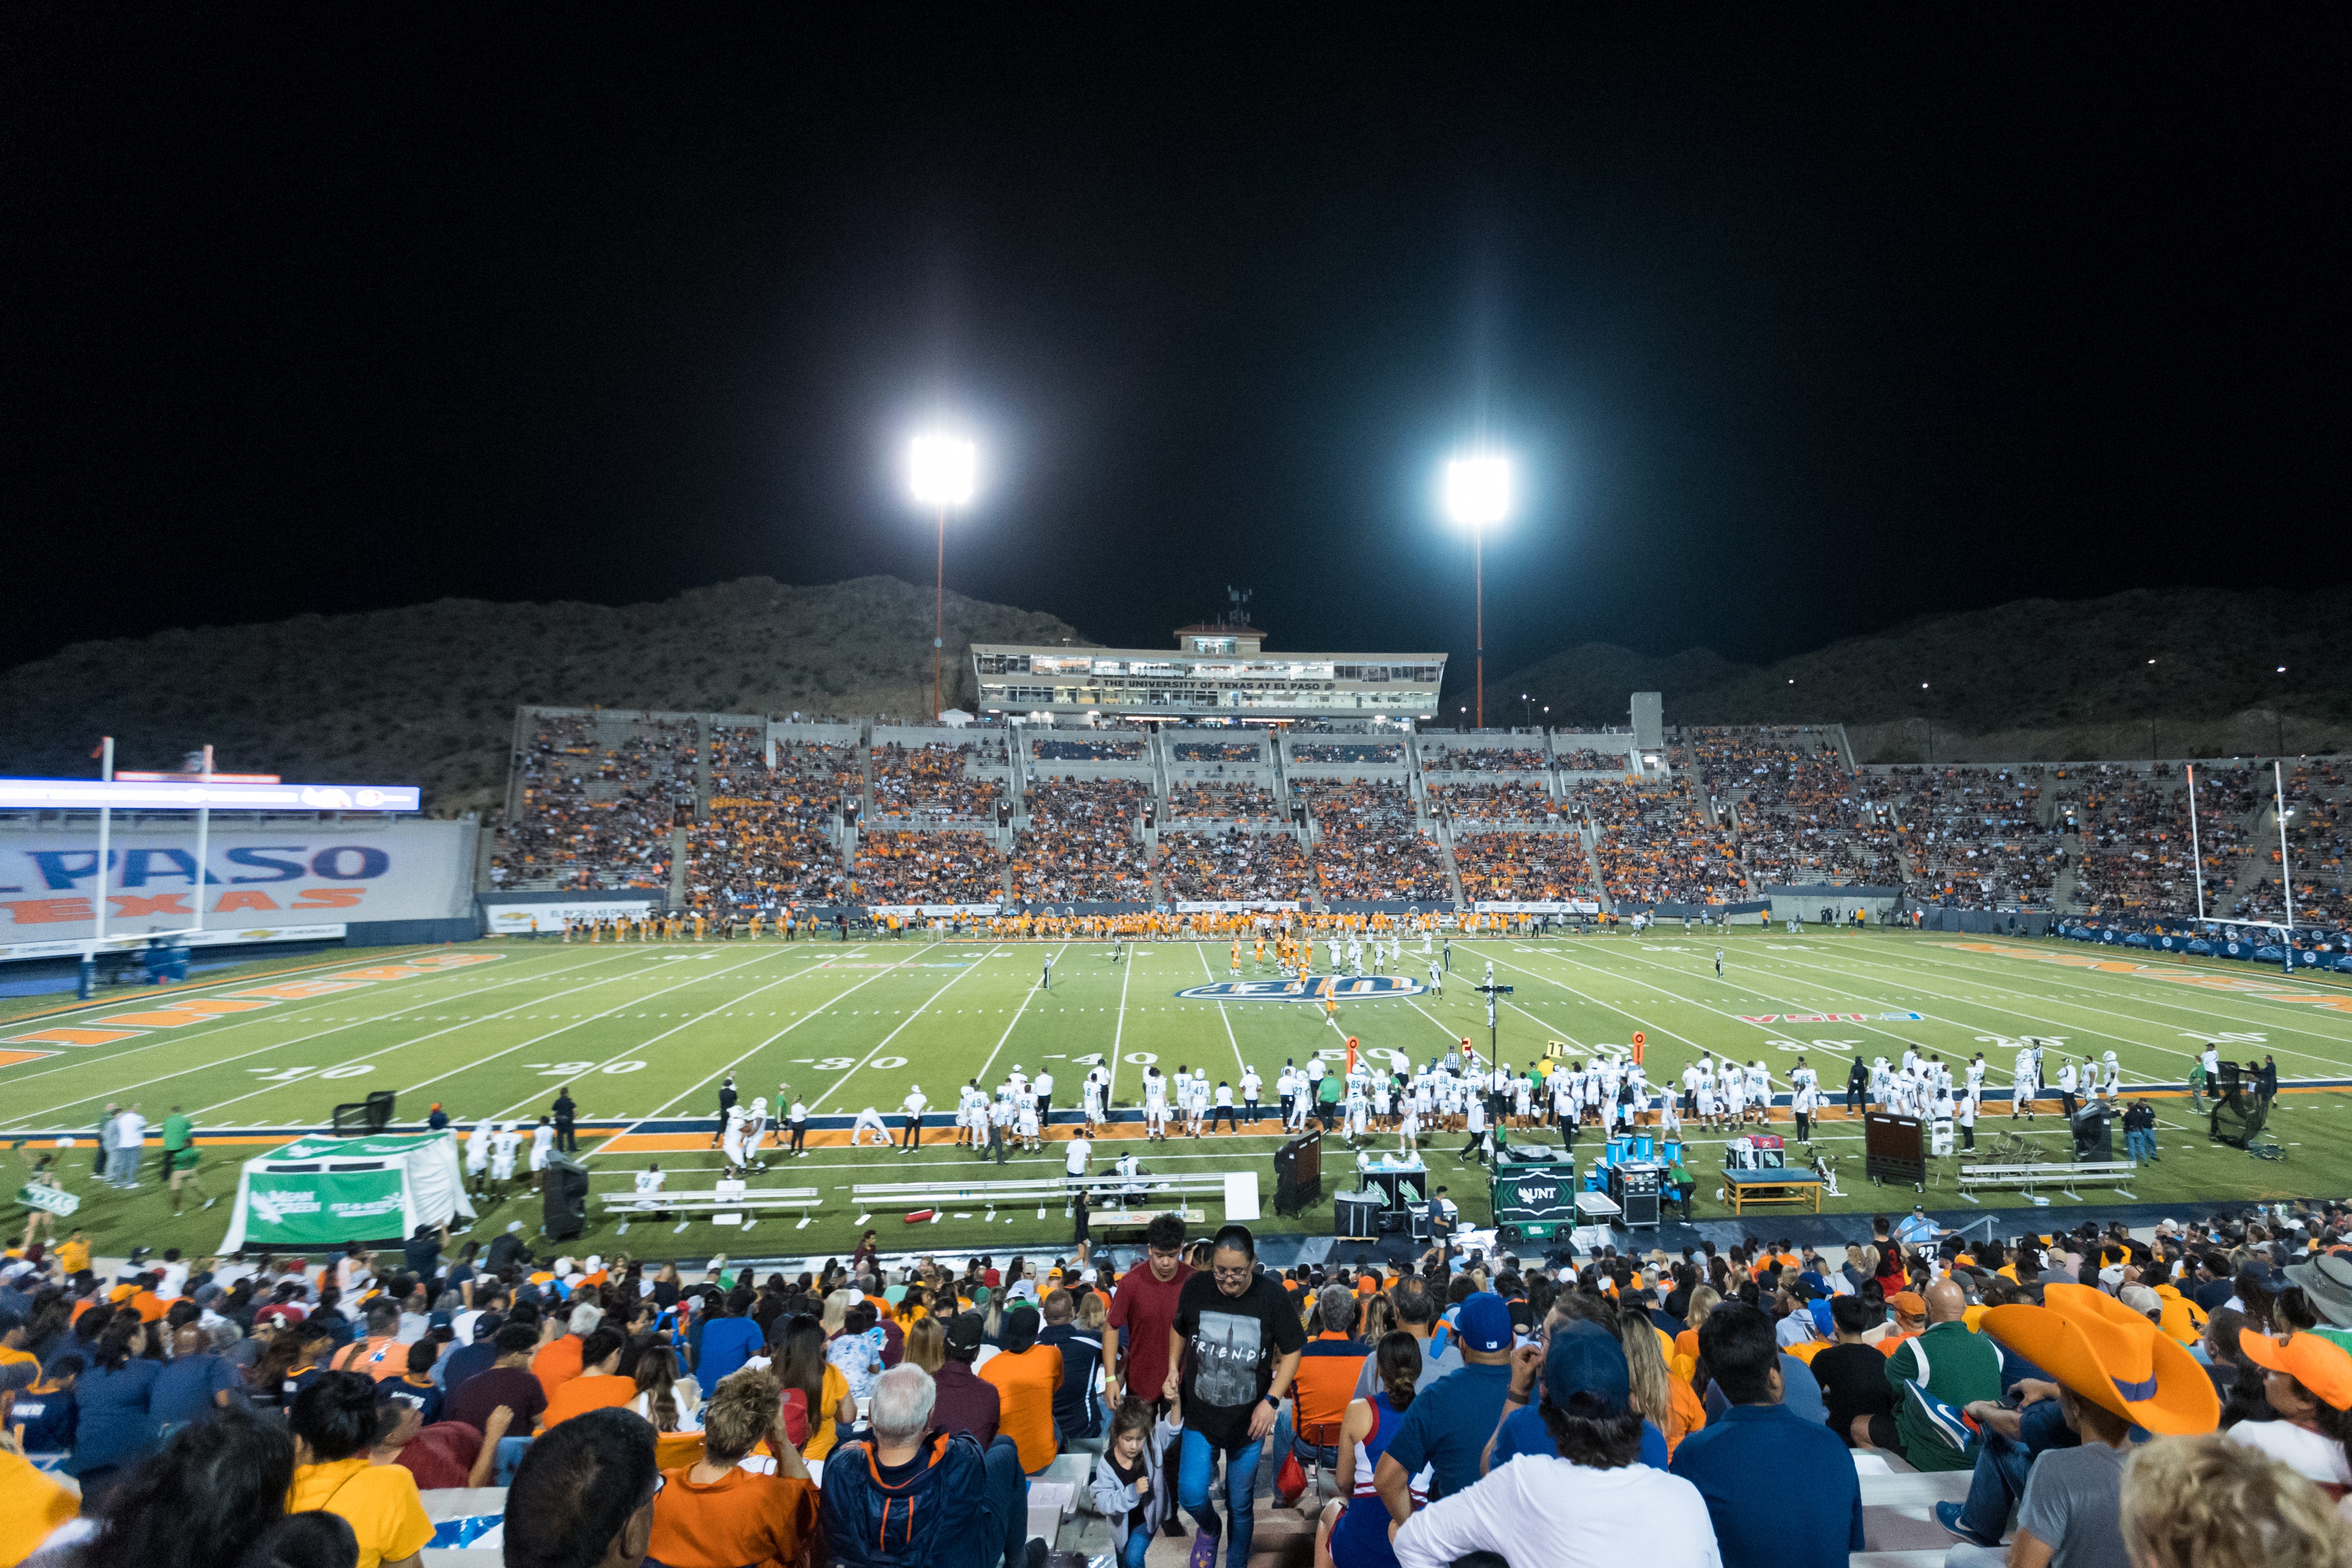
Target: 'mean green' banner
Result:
[[320, 1208]]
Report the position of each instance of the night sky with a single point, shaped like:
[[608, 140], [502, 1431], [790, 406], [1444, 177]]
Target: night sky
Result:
[[1799, 331]]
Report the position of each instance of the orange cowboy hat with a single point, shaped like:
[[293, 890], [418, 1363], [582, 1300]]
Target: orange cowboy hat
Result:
[[2102, 1351]]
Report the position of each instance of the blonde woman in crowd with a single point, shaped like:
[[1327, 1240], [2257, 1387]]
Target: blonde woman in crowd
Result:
[[2208, 1503]]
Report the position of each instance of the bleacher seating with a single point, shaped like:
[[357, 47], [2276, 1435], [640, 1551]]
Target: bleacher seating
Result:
[[1484, 759], [1244, 802], [763, 841], [1504, 800], [600, 795], [1080, 843], [1653, 847], [1060, 751], [1522, 867], [932, 781], [1370, 847], [1214, 751], [947, 867], [1975, 838], [1354, 752], [1204, 868]]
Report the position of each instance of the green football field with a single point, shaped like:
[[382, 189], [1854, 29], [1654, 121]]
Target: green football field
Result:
[[645, 1033]]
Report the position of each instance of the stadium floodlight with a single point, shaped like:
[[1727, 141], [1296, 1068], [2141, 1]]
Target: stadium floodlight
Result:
[[1478, 497], [943, 471]]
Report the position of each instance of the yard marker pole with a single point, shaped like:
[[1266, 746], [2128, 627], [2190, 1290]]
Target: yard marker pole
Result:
[[2286, 866], [204, 840], [2196, 857], [105, 822]]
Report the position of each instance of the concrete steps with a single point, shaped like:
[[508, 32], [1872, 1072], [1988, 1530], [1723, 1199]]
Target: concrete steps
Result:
[[1279, 1538]]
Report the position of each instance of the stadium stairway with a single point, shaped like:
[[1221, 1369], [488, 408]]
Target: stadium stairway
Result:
[[1442, 828]]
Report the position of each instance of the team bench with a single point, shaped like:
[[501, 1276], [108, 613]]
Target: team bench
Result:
[[711, 1200], [2066, 1177], [1109, 1190]]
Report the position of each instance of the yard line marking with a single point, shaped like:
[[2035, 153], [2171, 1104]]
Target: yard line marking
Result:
[[525, 1044], [1238, 1063], [1782, 1001], [2172, 995], [2057, 1025], [729, 1067], [617, 1010], [1118, 1033], [259, 1050], [1644, 1022], [818, 1103], [628, 1051], [1026, 997]]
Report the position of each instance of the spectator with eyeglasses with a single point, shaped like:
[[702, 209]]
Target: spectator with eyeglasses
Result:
[[1232, 1353]]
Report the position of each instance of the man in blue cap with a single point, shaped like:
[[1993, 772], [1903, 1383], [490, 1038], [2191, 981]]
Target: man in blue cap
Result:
[[1450, 1420], [1583, 1497]]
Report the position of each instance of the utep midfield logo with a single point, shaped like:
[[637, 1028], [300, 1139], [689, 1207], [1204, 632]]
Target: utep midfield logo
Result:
[[1341, 988]]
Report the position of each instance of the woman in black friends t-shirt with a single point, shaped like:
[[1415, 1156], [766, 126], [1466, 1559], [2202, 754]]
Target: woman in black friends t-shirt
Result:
[[1232, 1353]]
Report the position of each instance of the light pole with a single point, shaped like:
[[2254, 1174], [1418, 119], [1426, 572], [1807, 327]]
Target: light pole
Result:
[[1478, 497], [943, 471]]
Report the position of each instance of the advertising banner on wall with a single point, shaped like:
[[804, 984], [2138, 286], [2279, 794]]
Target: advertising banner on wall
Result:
[[1557, 907], [517, 920], [290, 874], [1237, 907], [912, 911]]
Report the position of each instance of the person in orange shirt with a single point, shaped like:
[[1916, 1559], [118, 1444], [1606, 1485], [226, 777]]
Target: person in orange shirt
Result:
[[1910, 1310], [716, 1514], [599, 1383], [558, 1360], [379, 1354], [1027, 1375], [143, 1300]]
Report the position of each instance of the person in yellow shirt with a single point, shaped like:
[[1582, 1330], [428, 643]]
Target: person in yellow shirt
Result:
[[73, 1253], [31, 1505], [333, 1422]]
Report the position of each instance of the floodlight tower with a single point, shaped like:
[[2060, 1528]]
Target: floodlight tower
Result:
[[942, 470], [1478, 496]]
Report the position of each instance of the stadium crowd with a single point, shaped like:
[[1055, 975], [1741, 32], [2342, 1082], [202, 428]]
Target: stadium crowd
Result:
[[1214, 751], [1248, 802], [1059, 751], [596, 811], [763, 842], [1484, 759], [1081, 842], [2179, 1399], [1509, 800], [1652, 845], [1975, 838], [1371, 846], [1355, 751], [932, 779], [952, 866], [1522, 868], [1233, 866]]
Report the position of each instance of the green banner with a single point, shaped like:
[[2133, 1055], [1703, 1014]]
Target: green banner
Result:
[[378, 1146], [285, 1208]]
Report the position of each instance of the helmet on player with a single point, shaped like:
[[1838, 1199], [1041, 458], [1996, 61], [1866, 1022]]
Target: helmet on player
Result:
[[760, 1104]]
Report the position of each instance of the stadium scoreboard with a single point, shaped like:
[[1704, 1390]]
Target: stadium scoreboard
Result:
[[1213, 671]]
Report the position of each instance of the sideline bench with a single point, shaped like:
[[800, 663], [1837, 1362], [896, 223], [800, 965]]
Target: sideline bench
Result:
[[2115, 1174], [1122, 1207], [713, 1202]]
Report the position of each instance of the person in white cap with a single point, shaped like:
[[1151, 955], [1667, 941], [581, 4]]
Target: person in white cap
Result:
[[868, 1120], [912, 1108]]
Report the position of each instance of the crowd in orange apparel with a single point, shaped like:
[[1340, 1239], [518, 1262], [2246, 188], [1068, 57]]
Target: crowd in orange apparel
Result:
[[1370, 846], [1224, 801], [1080, 843], [1214, 751], [932, 779], [1485, 760], [1522, 868], [2137, 845], [2319, 826], [1507, 800], [1652, 845], [594, 816], [954, 867], [1204, 868], [1085, 750], [1347, 752], [1974, 837], [1585, 759], [763, 841]]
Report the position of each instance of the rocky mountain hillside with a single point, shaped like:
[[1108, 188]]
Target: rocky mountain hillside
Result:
[[428, 694], [2028, 680]]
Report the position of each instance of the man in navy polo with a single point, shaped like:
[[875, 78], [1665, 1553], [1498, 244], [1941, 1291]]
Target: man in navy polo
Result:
[[1781, 1489], [1452, 1419]]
